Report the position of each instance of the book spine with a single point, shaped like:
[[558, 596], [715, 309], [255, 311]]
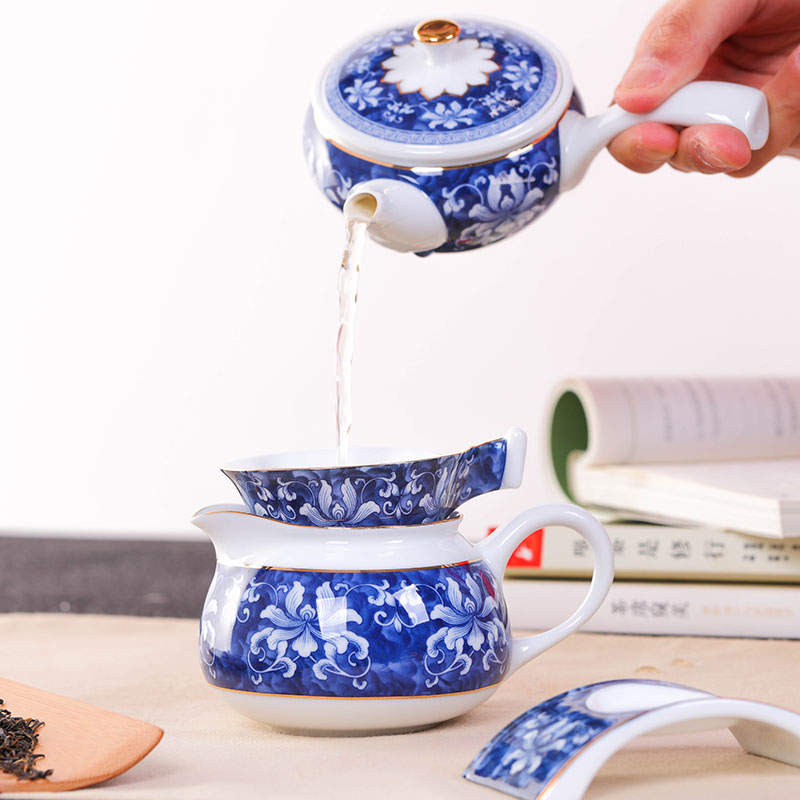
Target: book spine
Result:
[[669, 609], [661, 552]]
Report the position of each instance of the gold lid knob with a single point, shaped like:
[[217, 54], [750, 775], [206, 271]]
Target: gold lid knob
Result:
[[436, 31]]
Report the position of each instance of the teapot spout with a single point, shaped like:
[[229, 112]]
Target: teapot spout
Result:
[[399, 215]]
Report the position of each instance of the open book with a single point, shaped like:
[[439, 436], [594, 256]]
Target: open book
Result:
[[719, 452]]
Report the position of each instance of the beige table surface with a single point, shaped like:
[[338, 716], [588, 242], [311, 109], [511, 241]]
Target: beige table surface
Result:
[[147, 668]]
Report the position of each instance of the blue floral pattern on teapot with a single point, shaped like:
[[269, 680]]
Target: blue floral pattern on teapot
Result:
[[404, 633], [513, 76], [479, 204]]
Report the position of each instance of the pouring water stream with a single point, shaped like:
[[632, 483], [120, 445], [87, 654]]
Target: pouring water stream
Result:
[[357, 219]]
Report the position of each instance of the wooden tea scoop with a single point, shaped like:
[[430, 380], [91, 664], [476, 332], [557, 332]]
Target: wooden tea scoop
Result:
[[82, 744]]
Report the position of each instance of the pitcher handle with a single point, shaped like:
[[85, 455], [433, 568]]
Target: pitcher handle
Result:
[[498, 548]]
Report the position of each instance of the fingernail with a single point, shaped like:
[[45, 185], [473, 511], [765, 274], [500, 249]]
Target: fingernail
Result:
[[709, 159], [643, 74], [650, 155]]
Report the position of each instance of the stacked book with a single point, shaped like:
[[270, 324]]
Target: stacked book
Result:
[[698, 485]]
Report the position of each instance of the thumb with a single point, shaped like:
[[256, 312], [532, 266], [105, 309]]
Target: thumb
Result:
[[783, 97], [676, 46]]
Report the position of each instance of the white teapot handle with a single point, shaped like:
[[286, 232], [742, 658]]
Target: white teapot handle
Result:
[[498, 548], [698, 103]]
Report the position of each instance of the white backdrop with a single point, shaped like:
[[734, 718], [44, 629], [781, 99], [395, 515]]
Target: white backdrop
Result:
[[169, 269]]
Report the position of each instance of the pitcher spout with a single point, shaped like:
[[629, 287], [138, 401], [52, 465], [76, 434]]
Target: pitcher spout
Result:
[[224, 524], [399, 215]]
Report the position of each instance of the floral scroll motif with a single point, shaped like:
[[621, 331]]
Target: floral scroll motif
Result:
[[407, 633], [504, 202], [479, 204], [412, 493], [524, 756], [471, 627], [496, 77]]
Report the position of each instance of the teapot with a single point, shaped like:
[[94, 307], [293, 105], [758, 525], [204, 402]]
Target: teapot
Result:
[[446, 136], [409, 620]]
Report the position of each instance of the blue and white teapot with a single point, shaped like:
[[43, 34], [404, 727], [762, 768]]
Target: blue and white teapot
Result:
[[448, 136]]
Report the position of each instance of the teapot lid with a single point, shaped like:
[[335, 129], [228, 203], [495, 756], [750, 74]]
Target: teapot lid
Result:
[[440, 93]]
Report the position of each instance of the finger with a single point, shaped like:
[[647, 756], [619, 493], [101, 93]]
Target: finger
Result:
[[646, 147], [676, 46], [710, 149], [783, 99]]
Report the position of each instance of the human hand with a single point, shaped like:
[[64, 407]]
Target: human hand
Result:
[[754, 42]]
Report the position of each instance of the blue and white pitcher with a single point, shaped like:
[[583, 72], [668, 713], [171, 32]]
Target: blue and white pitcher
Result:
[[408, 620], [448, 136]]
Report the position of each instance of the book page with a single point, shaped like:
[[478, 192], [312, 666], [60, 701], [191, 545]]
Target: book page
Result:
[[662, 420], [755, 496]]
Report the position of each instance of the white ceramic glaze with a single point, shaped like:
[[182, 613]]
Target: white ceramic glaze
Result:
[[326, 459], [442, 68], [698, 103], [403, 217], [312, 603], [516, 448], [333, 716], [759, 728], [244, 539], [625, 696]]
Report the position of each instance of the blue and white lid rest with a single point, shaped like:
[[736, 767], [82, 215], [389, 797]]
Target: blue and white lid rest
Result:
[[525, 757]]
